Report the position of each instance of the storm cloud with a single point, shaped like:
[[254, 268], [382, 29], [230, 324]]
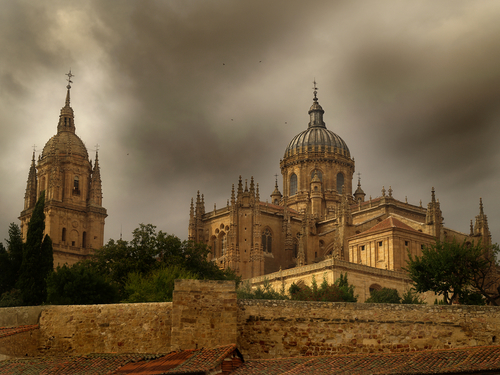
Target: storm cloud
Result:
[[184, 96]]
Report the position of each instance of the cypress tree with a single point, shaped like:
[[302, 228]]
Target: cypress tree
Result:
[[38, 258]]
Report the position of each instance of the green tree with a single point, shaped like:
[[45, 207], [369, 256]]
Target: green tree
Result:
[[456, 271], [384, 295], [38, 259], [11, 259], [156, 286], [150, 250], [79, 284]]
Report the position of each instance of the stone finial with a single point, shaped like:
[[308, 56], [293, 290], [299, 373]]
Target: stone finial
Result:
[[383, 191], [390, 192]]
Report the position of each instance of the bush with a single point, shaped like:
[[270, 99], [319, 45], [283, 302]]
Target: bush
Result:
[[385, 295], [340, 291], [411, 297], [245, 291]]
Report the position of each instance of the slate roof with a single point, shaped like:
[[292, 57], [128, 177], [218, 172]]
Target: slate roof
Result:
[[9, 331], [471, 360], [200, 361]]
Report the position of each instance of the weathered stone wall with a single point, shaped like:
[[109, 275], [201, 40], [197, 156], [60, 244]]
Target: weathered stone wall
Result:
[[120, 328], [270, 329], [20, 316], [204, 314]]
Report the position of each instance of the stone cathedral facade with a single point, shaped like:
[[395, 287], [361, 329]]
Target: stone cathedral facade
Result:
[[318, 216], [74, 215]]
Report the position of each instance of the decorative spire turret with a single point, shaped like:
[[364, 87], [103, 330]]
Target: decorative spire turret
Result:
[[481, 227], [359, 194], [95, 194], [31, 185], [316, 111], [67, 118], [276, 194]]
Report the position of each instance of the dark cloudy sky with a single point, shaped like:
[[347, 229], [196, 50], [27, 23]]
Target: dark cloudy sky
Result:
[[187, 95]]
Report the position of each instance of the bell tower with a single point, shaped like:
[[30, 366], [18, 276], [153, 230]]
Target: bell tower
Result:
[[74, 215]]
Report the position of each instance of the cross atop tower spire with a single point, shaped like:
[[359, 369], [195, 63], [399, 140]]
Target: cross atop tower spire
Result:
[[315, 92]]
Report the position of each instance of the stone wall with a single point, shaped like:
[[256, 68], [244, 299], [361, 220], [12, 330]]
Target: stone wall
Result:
[[204, 314], [119, 328], [207, 314], [270, 329]]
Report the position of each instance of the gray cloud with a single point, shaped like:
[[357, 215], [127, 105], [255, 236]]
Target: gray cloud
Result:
[[186, 96]]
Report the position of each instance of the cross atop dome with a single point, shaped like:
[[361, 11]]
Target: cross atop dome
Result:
[[315, 92]]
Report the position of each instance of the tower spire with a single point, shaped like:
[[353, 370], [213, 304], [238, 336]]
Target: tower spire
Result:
[[96, 183], [67, 117], [316, 111]]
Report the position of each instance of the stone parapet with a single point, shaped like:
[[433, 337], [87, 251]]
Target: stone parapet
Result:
[[204, 314]]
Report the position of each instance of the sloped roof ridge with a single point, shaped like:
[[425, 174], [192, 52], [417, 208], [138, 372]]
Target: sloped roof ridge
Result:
[[390, 222]]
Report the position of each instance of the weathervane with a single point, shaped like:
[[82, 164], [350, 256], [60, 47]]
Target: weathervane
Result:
[[97, 147], [69, 79]]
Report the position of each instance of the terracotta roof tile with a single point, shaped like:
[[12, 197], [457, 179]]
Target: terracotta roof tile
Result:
[[464, 360], [9, 331], [390, 222]]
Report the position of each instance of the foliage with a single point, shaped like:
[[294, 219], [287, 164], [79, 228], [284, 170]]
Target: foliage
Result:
[[410, 297], [266, 291], [149, 251], [340, 291], [455, 270], [471, 298], [79, 285], [11, 259], [11, 298], [384, 295], [38, 260], [156, 286]]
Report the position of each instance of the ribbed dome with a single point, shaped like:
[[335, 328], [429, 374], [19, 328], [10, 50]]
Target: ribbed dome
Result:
[[65, 143], [317, 138]]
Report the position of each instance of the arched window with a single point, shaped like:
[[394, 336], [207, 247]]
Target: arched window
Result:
[[295, 248], [63, 236], [293, 184], [84, 240], [340, 182], [267, 241]]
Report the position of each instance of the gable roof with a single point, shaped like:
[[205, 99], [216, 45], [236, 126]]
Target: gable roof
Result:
[[468, 360], [390, 222]]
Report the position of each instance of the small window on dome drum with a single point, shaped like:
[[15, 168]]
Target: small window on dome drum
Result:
[[293, 184], [340, 182]]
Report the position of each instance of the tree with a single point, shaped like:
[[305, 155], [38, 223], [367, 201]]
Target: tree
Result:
[[156, 286], [11, 259], [79, 285], [456, 271], [384, 295], [38, 258], [149, 251]]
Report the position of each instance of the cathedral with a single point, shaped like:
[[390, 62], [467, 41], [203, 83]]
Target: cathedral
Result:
[[74, 215], [319, 219]]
